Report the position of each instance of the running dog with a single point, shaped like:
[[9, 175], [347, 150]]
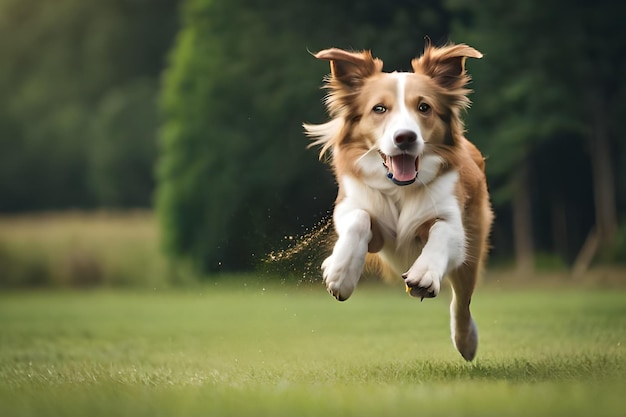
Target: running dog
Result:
[[412, 199]]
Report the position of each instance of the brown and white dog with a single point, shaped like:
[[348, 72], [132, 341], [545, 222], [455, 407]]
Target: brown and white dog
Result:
[[412, 199]]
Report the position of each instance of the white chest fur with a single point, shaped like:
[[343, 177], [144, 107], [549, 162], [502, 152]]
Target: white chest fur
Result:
[[400, 211]]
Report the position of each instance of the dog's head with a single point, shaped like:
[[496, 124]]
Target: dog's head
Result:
[[400, 115]]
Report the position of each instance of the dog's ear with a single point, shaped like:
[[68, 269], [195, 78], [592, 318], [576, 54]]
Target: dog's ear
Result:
[[350, 68], [446, 65]]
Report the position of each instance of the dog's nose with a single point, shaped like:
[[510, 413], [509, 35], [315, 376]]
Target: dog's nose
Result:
[[404, 139]]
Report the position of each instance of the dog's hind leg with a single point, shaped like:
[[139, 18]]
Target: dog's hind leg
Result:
[[464, 279], [462, 325]]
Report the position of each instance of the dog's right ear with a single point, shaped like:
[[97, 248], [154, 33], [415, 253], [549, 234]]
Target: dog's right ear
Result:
[[350, 68]]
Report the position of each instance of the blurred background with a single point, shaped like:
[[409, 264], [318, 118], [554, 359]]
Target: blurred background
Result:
[[149, 143]]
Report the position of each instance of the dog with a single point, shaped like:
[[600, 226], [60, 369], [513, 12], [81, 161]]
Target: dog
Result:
[[412, 194]]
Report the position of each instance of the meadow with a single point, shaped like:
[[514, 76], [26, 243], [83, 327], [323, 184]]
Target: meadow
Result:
[[247, 346], [92, 322]]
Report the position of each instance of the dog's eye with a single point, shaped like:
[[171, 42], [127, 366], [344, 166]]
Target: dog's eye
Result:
[[379, 108], [423, 107]]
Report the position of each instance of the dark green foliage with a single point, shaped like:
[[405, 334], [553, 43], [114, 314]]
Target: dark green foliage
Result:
[[62, 63], [548, 83], [124, 148]]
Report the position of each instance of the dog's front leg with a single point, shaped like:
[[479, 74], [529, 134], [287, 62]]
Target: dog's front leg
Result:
[[343, 268], [444, 250]]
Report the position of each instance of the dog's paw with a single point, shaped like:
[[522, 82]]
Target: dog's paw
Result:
[[427, 286], [341, 276], [423, 280]]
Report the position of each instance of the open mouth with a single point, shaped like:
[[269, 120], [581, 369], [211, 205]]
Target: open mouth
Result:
[[402, 169]]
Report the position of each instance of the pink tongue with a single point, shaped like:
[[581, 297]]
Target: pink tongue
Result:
[[403, 167]]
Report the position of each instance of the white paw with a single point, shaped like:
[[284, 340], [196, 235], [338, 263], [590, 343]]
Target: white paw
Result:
[[423, 279], [342, 274]]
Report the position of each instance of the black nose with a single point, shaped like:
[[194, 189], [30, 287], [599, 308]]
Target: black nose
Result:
[[404, 139]]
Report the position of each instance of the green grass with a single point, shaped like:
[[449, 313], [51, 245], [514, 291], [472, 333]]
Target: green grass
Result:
[[242, 349]]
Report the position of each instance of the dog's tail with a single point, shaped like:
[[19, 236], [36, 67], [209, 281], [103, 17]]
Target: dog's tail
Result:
[[375, 266]]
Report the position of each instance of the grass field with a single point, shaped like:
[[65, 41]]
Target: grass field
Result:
[[245, 348]]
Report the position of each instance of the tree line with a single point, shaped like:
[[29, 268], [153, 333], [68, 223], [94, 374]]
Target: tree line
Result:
[[79, 86], [548, 105], [195, 107]]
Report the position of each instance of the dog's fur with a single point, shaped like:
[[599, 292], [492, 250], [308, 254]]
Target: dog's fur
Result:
[[412, 198]]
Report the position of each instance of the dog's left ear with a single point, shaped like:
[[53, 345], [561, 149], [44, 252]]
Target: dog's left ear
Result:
[[446, 65]]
